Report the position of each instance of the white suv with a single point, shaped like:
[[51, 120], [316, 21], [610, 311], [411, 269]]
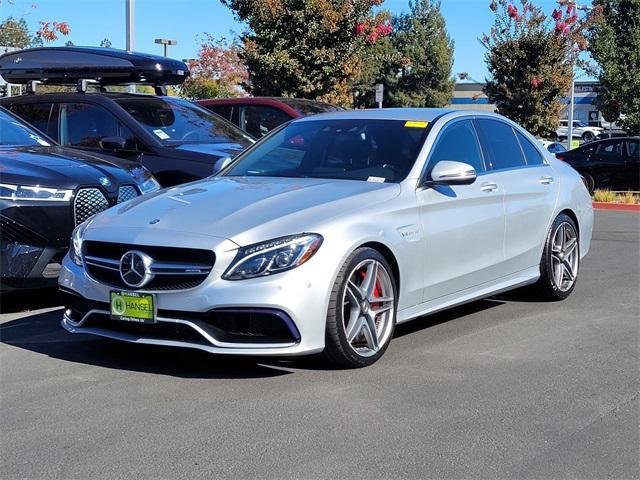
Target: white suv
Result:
[[580, 130]]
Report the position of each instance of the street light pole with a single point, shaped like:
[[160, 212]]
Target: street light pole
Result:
[[130, 39], [571, 98], [129, 20], [165, 42]]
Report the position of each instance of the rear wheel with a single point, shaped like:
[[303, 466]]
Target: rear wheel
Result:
[[560, 260], [589, 182], [362, 310]]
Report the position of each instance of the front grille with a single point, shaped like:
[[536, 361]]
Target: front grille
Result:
[[242, 325], [126, 192], [88, 202], [16, 233], [172, 268]]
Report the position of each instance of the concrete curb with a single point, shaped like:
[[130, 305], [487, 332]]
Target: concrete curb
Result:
[[620, 207]]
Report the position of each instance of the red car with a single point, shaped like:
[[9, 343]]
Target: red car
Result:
[[259, 115]]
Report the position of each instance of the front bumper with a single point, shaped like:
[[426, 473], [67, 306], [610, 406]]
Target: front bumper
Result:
[[288, 301], [29, 258]]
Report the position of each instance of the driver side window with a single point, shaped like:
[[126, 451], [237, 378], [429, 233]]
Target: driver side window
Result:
[[459, 143]]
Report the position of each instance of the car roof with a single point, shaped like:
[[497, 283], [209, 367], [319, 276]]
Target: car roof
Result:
[[406, 114], [111, 95]]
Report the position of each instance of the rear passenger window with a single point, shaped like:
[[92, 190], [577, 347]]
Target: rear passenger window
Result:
[[499, 144], [458, 142], [222, 110], [611, 148], [531, 153], [39, 115], [634, 149]]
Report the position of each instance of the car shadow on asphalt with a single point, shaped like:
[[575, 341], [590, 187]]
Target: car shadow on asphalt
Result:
[[22, 300], [42, 333]]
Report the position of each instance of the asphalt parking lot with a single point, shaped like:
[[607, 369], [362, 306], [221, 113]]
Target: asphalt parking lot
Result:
[[501, 388]]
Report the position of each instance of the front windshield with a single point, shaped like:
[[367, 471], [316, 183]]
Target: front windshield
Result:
[[175, 122], [578, 123], [16, 134], [369, 150]]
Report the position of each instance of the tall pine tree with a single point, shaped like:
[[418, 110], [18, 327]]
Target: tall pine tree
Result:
[[425, 58]]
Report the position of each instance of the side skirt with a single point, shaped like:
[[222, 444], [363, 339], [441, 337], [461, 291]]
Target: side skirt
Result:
[[510, 282]]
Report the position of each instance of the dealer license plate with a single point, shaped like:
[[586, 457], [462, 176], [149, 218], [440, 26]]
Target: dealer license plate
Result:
[[132, 306]]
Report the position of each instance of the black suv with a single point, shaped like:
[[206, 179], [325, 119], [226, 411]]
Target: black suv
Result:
[[177, 140], [45, 191]]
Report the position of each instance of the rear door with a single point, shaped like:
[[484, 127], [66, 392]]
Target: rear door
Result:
[[464, 224], [530, 190], [608, 162]]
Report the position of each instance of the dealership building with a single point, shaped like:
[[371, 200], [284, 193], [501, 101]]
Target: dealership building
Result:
[[469, 95]]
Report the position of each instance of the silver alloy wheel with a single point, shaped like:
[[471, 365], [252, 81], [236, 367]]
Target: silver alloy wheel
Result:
[[564, 256], [368, 307]]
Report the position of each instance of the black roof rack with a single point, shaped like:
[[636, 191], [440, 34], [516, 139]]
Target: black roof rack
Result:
[[84, 65]]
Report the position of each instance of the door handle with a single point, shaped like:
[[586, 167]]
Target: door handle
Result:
[[546, 180], [489, 187]]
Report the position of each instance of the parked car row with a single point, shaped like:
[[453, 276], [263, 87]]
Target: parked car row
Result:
[[46, 190]]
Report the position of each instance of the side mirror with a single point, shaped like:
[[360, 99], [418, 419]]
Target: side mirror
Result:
[[112, 143], [221, 163], [447, 172]]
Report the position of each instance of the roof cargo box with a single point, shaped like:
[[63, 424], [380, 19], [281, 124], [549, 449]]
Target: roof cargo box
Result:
[[107, 66]]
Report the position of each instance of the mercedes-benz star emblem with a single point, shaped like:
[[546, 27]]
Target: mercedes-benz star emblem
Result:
[[135, 268]]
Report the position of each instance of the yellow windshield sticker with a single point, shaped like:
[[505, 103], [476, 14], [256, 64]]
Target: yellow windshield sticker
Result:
[[414, 124]]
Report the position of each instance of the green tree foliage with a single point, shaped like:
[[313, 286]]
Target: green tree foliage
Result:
[[306, 48], [69, 43], [530, 58], [15, 33], [615, 46], [425, 57], [105, 43]]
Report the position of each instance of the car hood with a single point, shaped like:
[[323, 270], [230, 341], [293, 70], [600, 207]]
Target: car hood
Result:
[[245, 209], [61, 167]]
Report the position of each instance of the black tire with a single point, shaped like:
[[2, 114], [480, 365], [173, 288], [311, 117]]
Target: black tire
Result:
[[546, 287], [588, 137], [589, 182], [338, 351]]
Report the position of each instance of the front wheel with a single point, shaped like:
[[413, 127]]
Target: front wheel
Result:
[[588, 137], [362, 310], [560, 260]]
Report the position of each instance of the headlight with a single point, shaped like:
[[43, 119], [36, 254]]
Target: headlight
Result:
[[77, 237], [144, 179], [273, 256], [37, 193]]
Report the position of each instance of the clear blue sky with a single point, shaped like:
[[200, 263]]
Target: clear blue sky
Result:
[[186, 20]]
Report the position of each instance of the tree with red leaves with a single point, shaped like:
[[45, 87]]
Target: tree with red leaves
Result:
[[16, 33], [307, 48], [217, 72], [531, 59]]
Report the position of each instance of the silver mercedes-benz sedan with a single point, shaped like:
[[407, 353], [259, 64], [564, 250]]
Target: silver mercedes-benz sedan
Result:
[[328, 232]]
